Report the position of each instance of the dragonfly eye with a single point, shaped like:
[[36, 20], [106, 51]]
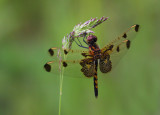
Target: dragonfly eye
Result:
[[91, 39]]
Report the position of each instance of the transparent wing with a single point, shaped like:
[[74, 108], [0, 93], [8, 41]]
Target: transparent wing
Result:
[[118, 47], [75, 63]]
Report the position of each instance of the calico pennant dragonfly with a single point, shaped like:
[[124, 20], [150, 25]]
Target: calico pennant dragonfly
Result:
[[85, 62]]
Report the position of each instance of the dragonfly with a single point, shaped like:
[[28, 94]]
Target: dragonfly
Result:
[[85, 63]]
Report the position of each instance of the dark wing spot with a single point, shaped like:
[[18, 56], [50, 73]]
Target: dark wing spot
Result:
[[137, 28], [65, 52], [87, 71], [105, 64], [105, 67], [128, 44], [82, 63], [64, 64], [47, 67], [51, 52], [125, 35], [110, 47], [84, 54], [117, 48]]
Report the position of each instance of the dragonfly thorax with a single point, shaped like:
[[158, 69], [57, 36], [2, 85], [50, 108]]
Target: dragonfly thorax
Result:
[[95, 51]]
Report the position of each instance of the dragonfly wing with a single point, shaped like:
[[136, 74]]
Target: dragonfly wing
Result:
[[118, 47], [75, 63]]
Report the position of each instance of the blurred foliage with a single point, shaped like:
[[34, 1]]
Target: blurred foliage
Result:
[[29, 28]]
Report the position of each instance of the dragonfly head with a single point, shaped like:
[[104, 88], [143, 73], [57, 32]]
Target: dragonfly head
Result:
[[91, 39]]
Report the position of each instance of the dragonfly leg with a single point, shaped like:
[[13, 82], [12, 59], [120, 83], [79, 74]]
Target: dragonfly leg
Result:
[[80, 44], [85, 37], [79, 41]]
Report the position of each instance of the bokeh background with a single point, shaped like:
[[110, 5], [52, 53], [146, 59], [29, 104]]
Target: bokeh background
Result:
[[29, 28]]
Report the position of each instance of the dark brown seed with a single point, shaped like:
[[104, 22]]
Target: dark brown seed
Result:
[[137, 28], [47, 67], [51, 52], [118, 49], [125, 35], [64, 64], [128, 44]]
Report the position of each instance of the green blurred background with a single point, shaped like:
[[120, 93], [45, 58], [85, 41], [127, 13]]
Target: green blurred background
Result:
[[29, 28]]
